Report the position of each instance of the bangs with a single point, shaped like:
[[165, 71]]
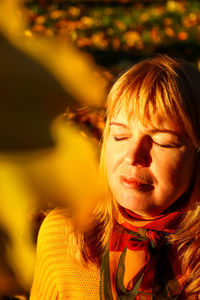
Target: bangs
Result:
[[150, 94]]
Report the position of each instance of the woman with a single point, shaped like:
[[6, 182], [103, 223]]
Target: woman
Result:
[[144, 241]]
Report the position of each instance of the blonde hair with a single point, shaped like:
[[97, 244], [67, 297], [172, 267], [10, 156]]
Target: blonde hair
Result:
[[171, 88]]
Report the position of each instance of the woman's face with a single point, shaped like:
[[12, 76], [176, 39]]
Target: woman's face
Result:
[[148, 168]]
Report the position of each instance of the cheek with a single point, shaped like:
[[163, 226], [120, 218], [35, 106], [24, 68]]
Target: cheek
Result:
[[108, 156], [113, 156], [185, 170], [108, 161], [175, 171]]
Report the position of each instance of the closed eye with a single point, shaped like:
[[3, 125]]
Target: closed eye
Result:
[[121, 138], [167, 145]]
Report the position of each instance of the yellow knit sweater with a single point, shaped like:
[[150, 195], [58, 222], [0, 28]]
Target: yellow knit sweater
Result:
[[58, 275]]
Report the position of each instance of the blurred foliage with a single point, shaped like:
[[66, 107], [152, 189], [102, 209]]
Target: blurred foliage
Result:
[[122, 30], [46, 96], [43, 156]]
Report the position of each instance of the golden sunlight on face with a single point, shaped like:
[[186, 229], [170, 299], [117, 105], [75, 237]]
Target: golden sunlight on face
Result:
[[148, 168]]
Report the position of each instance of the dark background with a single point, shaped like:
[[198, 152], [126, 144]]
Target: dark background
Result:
[[119, 33]]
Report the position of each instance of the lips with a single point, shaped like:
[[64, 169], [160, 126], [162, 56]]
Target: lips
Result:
[[136, 184]]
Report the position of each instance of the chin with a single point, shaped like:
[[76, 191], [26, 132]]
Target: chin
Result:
[[136, 205]]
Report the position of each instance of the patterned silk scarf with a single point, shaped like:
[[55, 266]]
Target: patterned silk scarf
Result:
[[139, 262]]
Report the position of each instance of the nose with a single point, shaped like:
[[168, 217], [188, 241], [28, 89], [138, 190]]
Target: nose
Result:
[[138, 152]]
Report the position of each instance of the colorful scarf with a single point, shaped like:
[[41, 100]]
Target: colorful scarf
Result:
[[139, 262]]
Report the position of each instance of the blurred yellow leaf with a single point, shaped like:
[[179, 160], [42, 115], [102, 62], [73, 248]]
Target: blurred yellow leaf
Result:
[[169, 31], [171, 5], [87, 21], [68, 174], [74, 11], [182, 36], [72, 68], [131, 38], [55, 14], [65, 174], [15, 205]]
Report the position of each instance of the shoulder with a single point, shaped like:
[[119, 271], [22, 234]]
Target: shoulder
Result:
[[57, 216], [57, 272], [55, 230], [52, 252]]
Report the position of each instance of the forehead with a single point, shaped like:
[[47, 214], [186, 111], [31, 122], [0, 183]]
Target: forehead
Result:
[[158, 123]]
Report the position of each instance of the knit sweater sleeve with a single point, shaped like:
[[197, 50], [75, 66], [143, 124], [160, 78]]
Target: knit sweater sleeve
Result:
[[51, 242], [58, 276]]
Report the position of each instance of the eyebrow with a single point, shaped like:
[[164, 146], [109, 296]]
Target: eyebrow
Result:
[[151, 131], [119, 124], [154, 131]]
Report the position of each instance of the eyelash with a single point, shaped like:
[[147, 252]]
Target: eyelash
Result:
[[118, 139], [165, 146]]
